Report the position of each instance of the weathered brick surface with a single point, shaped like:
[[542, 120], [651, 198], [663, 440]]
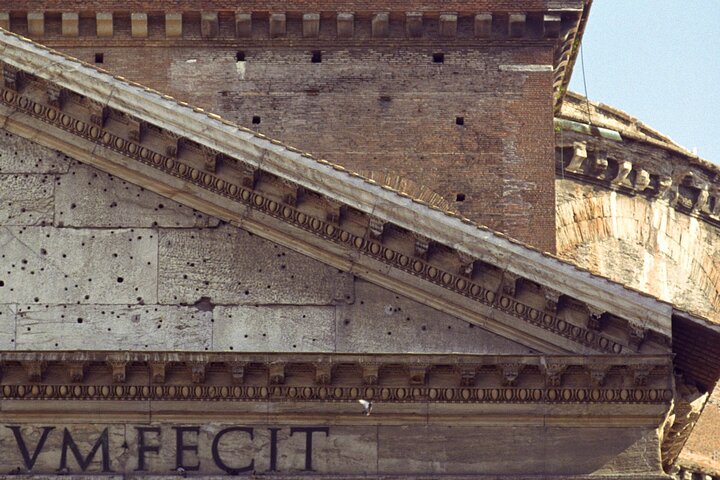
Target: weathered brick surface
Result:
[[387, 109]]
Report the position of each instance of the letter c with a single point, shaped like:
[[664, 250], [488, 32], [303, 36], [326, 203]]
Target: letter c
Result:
[[216, 454]]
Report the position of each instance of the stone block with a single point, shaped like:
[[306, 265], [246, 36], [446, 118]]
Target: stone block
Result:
[[18, 155], [45, 265], [209, 24], [36, 24], [173, 25], [381, 25], [5, 20], [87, 197], [277, 25], [113, 327], [139, 25], [414, 24], [382, 321], [231, 266], [26, 199], [274, 329], [243, 25], [70, 24], [104, 24], [345, 25], [448, 25], [311, 25], [7, 326], [483, 25]]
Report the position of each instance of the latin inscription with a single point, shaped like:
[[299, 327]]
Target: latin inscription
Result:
[[231, 449]]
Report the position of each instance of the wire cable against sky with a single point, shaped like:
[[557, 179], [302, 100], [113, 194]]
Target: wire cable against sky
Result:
[[587, 99]]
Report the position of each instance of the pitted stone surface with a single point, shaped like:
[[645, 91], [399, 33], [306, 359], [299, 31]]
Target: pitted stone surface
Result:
[[231, 266], [382, 321], [7, 327], [45, 265], [26, 199], [18, 155], [113, 327], [87, 197], [274, 329]]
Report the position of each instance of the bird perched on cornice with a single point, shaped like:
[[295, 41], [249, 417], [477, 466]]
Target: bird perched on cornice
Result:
[[367, 406]]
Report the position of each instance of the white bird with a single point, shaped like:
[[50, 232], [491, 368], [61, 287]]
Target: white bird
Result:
[[367, 406], [181, 471]]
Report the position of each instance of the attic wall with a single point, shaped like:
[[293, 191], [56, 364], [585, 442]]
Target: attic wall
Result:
[[90, 262], [476, 129]]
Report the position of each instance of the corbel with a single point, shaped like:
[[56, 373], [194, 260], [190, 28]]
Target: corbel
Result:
[[447, 24], [715, 210], [104, 24], [636, 336], [209, 24], [138, 25], [600, 163], [277, 25], [76, 371], [483, 25], [517, 25], [136, 129], [35, 369], [294, 193], [370, 373], [243, 25], [237, 371], [423, 246], [334, 211], [175, 143], [277, 373], [510, 373], [376, 228], [664, 184], [642, 180], [467, 264], [70, 24], [418, 374], [624, 169], [310, 25], [640, 374], [553, 374], [56, 95], [381, 25], [323, 373], [197, 371], [173, 24], [508, 285], [579, 156], [414, 24], [157, 371], [210, 159], [249, 175], [702, 199], [36, 24], [467, 375], [119, 370], [598, 373], [345, 24], [551, 26], [552, 299], [13, 77], [596, 318], [98, 112]]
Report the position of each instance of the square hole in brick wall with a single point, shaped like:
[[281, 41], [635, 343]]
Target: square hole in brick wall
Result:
[[460, 121], [438, 57], [240, 56], [316, 56], [256, 120], [460, 197], [99, 58]]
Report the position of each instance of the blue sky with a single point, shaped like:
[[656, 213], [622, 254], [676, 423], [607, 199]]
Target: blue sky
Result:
[[658, 60]]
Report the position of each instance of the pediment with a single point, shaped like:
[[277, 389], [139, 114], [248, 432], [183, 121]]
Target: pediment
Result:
[[336, 218]]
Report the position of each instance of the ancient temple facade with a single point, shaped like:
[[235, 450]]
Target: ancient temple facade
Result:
[[291, 239]]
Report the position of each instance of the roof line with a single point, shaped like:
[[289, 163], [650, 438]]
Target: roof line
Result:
[[335, 181]]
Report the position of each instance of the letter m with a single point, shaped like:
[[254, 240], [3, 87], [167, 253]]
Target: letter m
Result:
[[84, 463]]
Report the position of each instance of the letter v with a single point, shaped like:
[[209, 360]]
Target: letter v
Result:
[[30, 462]]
